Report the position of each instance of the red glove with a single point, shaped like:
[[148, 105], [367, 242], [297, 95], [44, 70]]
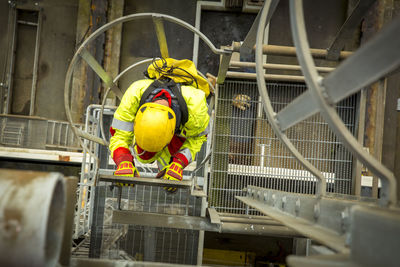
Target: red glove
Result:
[[172, 172], [126, 168]]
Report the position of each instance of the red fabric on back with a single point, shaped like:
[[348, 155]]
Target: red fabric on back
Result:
[[112, 131], [167, 95]]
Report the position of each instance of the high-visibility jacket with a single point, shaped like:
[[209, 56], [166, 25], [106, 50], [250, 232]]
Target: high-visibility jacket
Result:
[[194, 132]]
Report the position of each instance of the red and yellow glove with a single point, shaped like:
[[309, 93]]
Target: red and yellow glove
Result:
[[126, 168], [172, 172]]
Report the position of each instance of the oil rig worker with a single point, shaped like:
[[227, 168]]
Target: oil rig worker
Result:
[[163, 118]]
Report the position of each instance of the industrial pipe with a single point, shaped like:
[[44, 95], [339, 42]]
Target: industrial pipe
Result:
[[271, 66], [31, 218], [269, 77], [258, 229], [279, 50]]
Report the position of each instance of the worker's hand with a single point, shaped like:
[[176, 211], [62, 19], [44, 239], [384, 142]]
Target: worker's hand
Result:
[[241, 101], [172, 172], [126, 168]]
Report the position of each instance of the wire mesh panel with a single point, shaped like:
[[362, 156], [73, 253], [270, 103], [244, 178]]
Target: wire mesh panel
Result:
[[154, 244], [144, 243], [247, 152]]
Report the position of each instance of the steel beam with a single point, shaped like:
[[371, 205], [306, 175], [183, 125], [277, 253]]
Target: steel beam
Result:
[[357, 165], [214, 217], [349, 26], [267, 228], [82, 262], [298, 110], [145, 181], [160, 32], [324, 219], [164, 220], [98, 69], [223, 66], [373, 237], [248, 44], [371, 62], [258, 229], [35, 64]]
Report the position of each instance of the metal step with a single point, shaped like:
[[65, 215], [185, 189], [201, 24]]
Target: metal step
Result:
[[146, 180]]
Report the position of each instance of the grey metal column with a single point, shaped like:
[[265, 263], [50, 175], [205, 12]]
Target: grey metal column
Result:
[[70, 185], [149, 244], [35, 64], [248, 44], [11, 56], [348, 28]]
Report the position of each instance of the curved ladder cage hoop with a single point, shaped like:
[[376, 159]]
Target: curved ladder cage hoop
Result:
[[102, 132], [81, 51], [266, 14], [388, 193]]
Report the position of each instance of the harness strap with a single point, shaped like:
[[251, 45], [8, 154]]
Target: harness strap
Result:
[[176, 90]]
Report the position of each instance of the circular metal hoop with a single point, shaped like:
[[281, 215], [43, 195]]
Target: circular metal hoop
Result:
[[388, 195], [101, 30]]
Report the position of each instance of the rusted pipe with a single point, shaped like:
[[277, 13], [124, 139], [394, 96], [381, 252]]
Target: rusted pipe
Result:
[[279, 50], [31, 217]]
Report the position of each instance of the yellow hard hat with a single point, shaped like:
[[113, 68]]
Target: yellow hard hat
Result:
[[154, 126]]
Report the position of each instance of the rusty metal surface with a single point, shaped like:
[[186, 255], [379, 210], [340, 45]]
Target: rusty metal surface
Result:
[[31, 217]]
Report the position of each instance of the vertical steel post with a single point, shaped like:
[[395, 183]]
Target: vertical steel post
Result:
[[12, 12], [35, 64], [71, 185], [360, 138]]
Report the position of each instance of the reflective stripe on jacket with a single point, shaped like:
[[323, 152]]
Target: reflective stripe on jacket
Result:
[[193, 130]]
